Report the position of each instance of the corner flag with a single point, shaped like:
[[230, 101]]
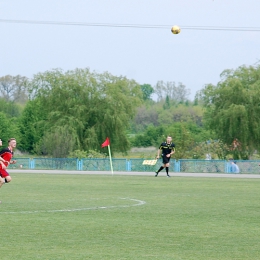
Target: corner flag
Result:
[[107, 143]]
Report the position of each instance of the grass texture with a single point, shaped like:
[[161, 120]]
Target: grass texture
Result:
[[58, 217]]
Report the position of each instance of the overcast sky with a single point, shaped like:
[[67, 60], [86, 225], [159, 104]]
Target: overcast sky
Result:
[[193, 57]]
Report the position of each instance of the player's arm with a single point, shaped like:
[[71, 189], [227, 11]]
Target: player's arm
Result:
[[173, 150], [3, 165], [13, 162], [2, 160]]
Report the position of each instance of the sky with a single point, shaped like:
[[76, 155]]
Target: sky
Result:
[[193, 57]]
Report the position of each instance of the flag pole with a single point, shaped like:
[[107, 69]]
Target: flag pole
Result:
[[111, 166], [107, 143]]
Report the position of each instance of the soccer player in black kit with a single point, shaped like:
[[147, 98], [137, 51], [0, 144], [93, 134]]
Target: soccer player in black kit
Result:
[[167, 148]]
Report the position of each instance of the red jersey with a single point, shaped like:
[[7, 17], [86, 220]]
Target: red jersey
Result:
[[7, 155]]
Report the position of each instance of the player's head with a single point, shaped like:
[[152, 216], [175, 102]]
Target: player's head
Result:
[[12, 142], [231, 160], [169, 139]]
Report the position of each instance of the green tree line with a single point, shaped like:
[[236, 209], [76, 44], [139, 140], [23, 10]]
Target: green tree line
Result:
[[56, 113]]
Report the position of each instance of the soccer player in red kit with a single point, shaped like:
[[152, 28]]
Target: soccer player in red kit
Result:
[[5, 159]]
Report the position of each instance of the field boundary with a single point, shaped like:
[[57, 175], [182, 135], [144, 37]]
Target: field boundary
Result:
[[161, 174]]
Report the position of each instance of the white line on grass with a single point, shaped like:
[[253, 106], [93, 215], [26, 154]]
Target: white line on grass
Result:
[[139, 203]]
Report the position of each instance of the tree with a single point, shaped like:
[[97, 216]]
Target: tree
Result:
[[185, 135], [144, 117], [8, 129], [183, 140], [147, 90], [13, 88], [167, 104], [175, 93], [215, 148], [58, 142], [151, 137], [10, 108], [233, 109], [180, 113], [93, 105], [32, 124]]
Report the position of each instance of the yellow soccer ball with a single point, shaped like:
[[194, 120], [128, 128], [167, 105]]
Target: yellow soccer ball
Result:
[[175, 29]]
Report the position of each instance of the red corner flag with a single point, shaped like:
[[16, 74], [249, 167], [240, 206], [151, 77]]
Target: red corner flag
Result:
[[106, 143]]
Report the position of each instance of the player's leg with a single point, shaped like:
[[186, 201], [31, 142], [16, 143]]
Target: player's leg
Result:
[[2, 181], [164, 159], [167, 169], [167, 165], [161, 168], [6, 178]]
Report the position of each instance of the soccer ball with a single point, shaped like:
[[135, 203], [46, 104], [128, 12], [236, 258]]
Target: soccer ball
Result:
[[175, 29]]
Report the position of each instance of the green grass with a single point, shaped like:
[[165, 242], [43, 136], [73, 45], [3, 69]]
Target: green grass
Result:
[[183, 218]]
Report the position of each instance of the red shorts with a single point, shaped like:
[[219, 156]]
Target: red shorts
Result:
[[3, 173]]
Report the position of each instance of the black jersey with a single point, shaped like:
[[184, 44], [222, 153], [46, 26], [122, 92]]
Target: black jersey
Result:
[[167, 148]]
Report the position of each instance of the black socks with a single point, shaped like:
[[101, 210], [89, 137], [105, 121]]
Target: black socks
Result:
[[160, 169]]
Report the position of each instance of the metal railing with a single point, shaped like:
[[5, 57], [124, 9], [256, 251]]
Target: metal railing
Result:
[[96, 164]]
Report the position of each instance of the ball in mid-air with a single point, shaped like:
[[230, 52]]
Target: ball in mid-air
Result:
[[175, 29]]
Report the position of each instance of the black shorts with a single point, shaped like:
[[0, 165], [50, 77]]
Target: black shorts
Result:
[[165, 159]]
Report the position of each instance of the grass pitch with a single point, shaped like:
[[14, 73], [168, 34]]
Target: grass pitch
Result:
[[70, 217]]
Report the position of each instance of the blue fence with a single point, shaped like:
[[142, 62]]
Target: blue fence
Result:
[[87, 164]]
